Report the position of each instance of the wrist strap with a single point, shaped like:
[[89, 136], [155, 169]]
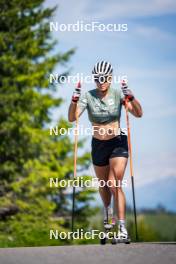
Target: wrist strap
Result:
[[130, 98], [74, 99]]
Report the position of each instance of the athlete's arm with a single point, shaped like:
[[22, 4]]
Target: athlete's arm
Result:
[[135, 108], [133, 104], [78, 103], [72, 111]]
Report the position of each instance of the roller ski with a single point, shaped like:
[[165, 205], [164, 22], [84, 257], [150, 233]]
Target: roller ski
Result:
[[109, 223]]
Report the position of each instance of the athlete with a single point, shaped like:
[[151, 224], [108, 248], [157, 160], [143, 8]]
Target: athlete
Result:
[[109, 144]]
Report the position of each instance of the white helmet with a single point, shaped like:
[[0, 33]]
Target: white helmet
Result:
[[102, 68]]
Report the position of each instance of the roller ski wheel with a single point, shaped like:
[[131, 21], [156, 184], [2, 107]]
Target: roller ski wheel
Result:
[[117, 240], [107, 228], [113, 241], [103, 241]]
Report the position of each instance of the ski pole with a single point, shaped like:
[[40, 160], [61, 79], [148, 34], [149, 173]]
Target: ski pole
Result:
[[131, 167], [75, 163]]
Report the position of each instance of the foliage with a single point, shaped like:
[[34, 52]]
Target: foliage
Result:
[[29, 156]]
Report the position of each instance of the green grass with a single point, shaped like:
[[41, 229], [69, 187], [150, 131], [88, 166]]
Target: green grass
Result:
[[163, 223], [151, 226]]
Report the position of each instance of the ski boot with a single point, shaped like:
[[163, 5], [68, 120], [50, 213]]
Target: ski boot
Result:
[[122, 236]]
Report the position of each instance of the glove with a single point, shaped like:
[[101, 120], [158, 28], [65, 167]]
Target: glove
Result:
[[76, 93], [126, 91]]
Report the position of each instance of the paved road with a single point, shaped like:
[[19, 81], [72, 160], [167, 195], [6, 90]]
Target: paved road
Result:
[[140, 253]]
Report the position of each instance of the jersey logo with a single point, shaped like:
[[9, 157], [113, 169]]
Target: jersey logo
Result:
[[123, 131], [110, 101], [97, 105]]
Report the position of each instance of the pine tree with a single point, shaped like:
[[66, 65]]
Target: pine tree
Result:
[[28, 155]]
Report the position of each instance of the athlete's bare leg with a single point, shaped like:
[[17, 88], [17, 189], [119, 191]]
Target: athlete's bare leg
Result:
[[102, 173], [116, 171]]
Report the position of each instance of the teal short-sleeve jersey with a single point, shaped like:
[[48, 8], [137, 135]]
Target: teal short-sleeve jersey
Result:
[[102, 111]]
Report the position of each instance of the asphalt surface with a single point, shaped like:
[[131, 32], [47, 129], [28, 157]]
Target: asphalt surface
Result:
[[135, 253]]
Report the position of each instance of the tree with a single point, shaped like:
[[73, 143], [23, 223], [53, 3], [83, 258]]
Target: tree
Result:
[[28, 155]]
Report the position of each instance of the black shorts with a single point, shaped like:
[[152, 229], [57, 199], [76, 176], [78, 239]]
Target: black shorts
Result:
[[103, 150]]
